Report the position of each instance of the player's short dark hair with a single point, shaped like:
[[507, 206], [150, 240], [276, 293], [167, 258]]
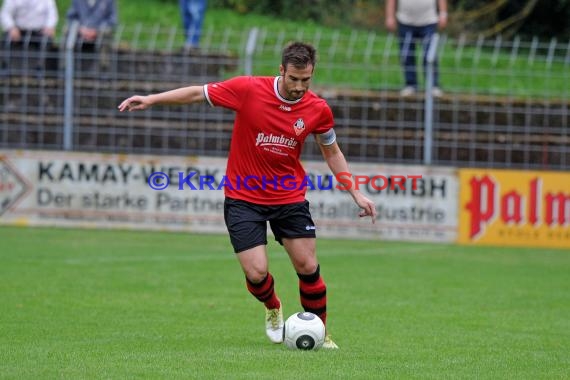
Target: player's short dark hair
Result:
[[299, 54]]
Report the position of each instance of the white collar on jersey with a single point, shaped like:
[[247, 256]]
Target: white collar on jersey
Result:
[[276, 88]]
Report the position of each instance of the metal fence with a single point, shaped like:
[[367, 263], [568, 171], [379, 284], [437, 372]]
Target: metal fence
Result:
[[505, 103]]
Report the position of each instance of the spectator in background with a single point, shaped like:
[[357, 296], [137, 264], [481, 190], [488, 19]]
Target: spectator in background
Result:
[[29, 21], [97, 19], [192, 12], [29, 27], [416, 20]]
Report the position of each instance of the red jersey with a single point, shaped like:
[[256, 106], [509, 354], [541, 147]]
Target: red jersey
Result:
[[264, 164]]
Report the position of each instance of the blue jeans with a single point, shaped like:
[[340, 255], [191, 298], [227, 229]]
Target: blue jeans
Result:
[[192, 12], [408, 35]]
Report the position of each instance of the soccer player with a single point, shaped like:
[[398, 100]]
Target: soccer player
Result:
[[274, 116]]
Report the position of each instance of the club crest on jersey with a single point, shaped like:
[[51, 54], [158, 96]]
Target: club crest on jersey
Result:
[[299, 126]]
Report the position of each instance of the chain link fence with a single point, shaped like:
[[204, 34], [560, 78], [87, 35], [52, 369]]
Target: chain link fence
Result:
[[505, 103]]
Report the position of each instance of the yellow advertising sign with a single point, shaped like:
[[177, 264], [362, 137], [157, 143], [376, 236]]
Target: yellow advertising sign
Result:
[[516, 208]]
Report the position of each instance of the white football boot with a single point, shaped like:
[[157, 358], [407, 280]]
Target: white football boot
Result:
[[274, 324], [329, 344]]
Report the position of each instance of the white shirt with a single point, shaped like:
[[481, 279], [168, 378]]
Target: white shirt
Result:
[[28, 14], [417, 12]]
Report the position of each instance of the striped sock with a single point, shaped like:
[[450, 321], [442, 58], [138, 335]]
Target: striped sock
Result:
[[264, 292], [313, 292]]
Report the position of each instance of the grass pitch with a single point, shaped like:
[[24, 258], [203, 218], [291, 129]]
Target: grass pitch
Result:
[[125, 304]]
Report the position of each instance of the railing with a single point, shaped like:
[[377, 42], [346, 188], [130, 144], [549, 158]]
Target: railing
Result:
[[505, 104]]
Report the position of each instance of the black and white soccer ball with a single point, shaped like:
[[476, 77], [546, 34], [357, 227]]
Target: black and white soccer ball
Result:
[[304, 331]]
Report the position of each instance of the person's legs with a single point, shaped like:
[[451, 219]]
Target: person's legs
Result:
[[197, 9], [312, 287], [259, 281], [105, 41], [408, 54], [426, 34], [87, 52], [261, 285], [186, 16], [193, 17], [294, 228], [248, 233]]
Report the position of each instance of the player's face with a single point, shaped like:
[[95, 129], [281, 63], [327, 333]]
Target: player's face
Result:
[[295, 81]]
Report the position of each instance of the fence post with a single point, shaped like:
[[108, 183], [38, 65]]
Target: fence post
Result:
[[249, 50], [68, 98], [428, 115]]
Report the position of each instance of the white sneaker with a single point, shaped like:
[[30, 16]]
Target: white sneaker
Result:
[[436, 92], [274, 324], [329, 344], [407, 91]]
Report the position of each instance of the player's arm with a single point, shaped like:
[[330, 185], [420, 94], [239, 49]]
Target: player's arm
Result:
[[183, 95], [337, 164]]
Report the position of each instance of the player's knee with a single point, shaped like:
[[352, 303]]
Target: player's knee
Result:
[[255, 276], [308, 266]]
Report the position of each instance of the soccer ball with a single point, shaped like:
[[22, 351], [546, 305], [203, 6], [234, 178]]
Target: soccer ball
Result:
[[304, 331]]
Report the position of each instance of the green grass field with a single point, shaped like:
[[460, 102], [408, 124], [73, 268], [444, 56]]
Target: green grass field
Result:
[[124, 304]]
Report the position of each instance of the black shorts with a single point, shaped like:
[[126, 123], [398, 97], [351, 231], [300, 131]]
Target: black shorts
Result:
[[247, 222]]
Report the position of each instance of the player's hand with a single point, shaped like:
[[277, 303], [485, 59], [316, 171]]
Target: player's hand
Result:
[[134, 103], [368, 207]]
